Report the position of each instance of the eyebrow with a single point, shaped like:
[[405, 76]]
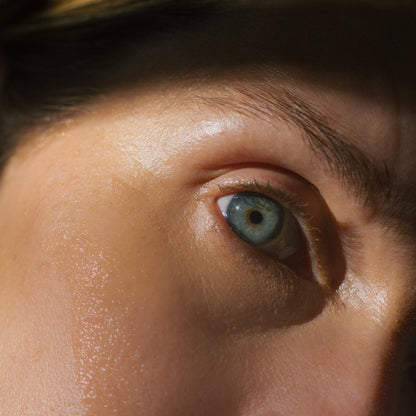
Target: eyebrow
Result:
[[369, 181]]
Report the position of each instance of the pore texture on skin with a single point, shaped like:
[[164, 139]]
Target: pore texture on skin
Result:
[[126, 288]]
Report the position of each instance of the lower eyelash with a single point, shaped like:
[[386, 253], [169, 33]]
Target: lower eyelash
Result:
[[290, 201]]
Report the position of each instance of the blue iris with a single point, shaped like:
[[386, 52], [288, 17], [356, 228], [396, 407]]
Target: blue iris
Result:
[[255, 218]]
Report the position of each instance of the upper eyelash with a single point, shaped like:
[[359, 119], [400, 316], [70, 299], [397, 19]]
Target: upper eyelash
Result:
[[285, 198], [289, 201]]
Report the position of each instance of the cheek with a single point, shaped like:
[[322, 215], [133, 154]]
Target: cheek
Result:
[[137, 340], [330, 368], [138, 345], [125, 310]]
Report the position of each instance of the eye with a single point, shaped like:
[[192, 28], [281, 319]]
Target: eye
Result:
[[261, 222]]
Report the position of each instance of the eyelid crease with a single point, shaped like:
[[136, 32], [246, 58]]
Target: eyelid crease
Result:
[[373, 185], [269, 102]]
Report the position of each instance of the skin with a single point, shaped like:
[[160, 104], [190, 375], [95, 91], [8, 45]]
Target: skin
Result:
[[124, 291]]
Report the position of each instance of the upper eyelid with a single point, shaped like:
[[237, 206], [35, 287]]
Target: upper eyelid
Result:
[[339, 154], [389, 201]]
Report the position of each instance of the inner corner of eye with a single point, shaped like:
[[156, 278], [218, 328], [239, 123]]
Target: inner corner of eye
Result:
[[224, 202]]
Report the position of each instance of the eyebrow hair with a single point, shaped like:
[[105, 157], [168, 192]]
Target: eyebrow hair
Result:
[[369, 181]]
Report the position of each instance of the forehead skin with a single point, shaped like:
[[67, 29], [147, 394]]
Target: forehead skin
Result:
[[124, 292]]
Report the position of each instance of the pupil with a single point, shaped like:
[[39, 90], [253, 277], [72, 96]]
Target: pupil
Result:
[[256, 217]]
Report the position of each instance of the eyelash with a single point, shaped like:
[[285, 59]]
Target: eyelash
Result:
[[289, 201]]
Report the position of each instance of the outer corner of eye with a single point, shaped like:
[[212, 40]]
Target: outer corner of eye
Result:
[[223, 203]]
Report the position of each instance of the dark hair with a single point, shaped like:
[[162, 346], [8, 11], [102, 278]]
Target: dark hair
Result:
[[56, 58]]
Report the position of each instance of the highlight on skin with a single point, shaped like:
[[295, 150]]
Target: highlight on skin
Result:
[[123, 288]]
